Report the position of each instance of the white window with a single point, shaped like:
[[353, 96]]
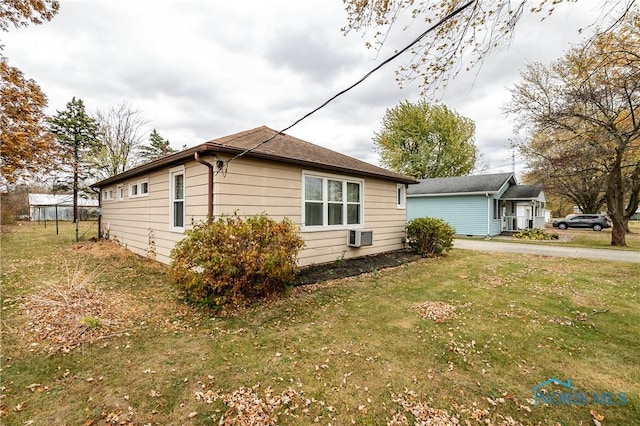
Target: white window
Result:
[[139, 189], [331, 202], [120, 192], [401, 199], [177, 202], [107, 194]]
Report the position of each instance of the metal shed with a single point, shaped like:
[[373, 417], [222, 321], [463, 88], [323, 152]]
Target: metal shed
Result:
[[60, 207]]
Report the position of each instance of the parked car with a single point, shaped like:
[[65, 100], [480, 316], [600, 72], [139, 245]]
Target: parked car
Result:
[[597, 222]]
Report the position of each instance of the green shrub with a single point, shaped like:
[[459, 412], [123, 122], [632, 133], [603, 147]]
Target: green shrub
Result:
[[232, 261], [429, 236], [536, 234]]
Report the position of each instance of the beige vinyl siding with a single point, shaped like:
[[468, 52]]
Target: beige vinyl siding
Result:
[[250, 186], [253, 186], [141, 224]]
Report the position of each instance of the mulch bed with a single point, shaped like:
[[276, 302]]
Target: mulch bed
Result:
[[351, 267]]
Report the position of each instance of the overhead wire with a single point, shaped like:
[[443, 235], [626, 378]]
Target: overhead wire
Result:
[[446, 18]]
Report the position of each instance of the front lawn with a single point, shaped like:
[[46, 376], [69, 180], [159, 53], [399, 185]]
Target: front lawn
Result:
[[466, 336], [586, 238]]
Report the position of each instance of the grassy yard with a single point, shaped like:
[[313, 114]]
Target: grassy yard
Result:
[[588, 238], [371, 350]]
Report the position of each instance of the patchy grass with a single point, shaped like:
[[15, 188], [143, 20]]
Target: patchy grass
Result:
[[463, 337]]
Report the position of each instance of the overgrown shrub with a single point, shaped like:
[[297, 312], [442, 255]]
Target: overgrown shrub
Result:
[[536, 234], [429, 236], [232, 260]]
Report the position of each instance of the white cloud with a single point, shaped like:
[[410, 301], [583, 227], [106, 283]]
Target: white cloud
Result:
[[198, 70]]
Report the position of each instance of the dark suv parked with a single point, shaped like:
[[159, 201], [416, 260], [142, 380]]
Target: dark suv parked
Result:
[[594, 221]]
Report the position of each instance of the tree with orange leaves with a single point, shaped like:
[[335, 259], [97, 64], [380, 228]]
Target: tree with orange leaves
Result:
[[25, 143], [23, 131]]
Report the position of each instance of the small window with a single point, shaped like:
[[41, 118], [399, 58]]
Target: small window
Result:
[[108, 194], [120, 192], [139, 189], [401, 200]]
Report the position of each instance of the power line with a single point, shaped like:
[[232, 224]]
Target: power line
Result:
[[367, 75]]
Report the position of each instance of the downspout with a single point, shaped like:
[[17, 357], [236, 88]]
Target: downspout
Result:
[[196, 157], [99, 212]]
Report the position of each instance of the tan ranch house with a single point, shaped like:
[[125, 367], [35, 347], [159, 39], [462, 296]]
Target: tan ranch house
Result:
[[345, 207]]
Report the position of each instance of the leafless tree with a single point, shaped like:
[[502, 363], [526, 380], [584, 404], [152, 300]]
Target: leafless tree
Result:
[[121, 133]]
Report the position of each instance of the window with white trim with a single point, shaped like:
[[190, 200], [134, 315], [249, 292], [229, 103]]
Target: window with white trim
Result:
[[107, 194], [120, 192], [139, 189], [401, 199], [177, 201], [331, 201]]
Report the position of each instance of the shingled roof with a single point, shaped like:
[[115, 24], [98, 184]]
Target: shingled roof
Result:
[[461, 185], [520, 192], [282, 148]]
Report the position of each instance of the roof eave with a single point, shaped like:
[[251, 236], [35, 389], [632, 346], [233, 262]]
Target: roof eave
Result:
[[209, 148], [450, 194]]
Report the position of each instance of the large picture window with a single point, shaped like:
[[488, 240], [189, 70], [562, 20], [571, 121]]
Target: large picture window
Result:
[[177, 212], [331, 202]]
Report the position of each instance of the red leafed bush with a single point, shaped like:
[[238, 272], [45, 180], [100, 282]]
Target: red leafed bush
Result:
[[233, 260]]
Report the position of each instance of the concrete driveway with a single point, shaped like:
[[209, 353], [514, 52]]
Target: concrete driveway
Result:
[[548, 250]]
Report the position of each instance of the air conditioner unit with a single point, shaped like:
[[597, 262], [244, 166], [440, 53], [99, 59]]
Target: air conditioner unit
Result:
[[359, 237]]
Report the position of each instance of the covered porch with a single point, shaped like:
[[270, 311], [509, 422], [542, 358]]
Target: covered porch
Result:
[[524, 208]]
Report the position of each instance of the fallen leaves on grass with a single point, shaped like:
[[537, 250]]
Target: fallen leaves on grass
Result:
[[596, 417], [422, 413], [437, 311], [247, 407], [62, 317]]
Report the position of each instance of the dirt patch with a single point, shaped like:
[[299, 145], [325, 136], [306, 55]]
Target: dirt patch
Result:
[[100, 248], [352, 267]]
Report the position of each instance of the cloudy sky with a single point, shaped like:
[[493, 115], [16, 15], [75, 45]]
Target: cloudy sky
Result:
[[197, 69]]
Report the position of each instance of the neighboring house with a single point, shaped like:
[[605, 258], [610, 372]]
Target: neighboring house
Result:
[[329, 195], [60, 207], [484, 205]]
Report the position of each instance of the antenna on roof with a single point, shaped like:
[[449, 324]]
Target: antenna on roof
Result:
[[512, 146]]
